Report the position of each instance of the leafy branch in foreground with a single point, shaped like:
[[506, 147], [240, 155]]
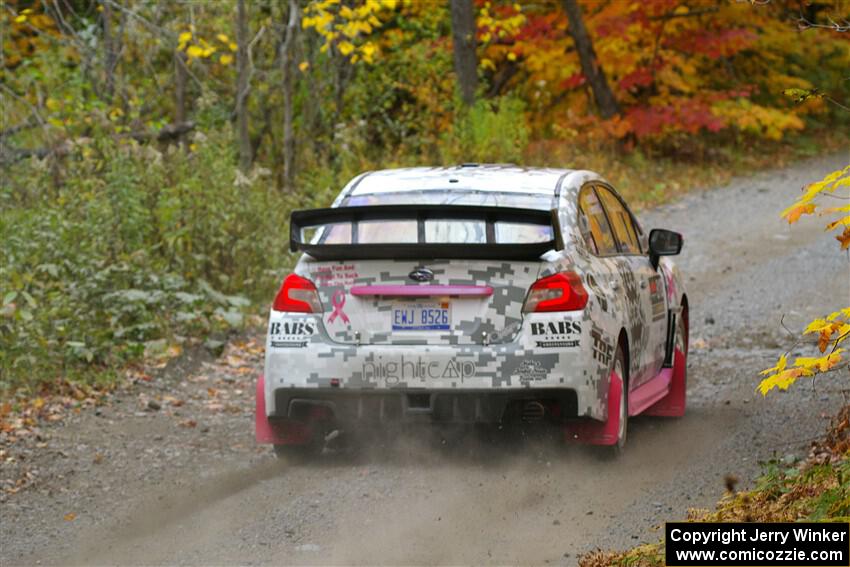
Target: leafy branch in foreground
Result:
[[826, 187], [834, 329]]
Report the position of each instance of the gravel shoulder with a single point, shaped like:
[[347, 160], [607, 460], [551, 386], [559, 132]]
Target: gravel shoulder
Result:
[[185, 483]]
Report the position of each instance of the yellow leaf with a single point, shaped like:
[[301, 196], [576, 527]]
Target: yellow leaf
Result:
[[38, 403], [225, 59], [817, 326], [194, 51], [223, 38], [184, 38], [345, 47], [782, 380], [780, 366], [232, 46], [511, 56], [20, 19], [821, 364], [368, 50], [69, 517], [303, 66]]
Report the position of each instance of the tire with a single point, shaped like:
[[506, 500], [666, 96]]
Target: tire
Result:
[[681, 341], [622, 371]]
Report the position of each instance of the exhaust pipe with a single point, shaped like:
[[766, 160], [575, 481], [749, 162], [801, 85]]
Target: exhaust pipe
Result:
[[533, 411]]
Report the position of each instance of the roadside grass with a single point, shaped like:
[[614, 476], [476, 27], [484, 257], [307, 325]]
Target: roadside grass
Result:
[[815, 489]]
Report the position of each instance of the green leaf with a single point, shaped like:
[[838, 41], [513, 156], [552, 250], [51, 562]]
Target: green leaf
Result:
[[29, 299]]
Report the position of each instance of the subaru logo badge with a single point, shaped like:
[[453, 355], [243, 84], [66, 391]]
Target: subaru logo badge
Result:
[[421, 275]]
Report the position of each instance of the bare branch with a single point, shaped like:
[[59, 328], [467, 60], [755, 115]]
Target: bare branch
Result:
[[843, 25]]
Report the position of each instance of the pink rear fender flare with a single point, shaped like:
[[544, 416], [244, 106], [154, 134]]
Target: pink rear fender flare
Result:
[[593, 432]]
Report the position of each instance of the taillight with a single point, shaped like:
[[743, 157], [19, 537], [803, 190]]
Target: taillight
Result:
[[297, 295], [559, 292]]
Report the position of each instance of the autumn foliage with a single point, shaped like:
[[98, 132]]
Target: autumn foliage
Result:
[[677, 69]]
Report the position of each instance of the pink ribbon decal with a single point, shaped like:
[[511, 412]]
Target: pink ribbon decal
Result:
[[338, 301]]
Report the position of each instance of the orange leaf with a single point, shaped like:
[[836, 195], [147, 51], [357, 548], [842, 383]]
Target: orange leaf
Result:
[[844, 238], [823, 340], [69, 517], [794, 212]]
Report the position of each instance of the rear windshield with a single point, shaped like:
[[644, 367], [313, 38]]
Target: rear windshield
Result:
[[442, 231], [540, 202]]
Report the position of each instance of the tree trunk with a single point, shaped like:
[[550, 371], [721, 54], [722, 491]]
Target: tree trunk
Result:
[[180, 88], [287, 58], [466, 62], [602, 94], [242, 87], [110, 53]]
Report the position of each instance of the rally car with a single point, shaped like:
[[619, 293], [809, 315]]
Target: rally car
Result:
[[474, 294]]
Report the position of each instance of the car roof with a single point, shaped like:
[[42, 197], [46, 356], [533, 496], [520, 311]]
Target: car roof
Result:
[[497, 178]]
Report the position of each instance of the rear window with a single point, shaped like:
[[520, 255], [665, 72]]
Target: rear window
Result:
[[437, 231], [540, 202], [441, 231]]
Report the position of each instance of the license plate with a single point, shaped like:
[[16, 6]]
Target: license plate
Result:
[[421, 316]]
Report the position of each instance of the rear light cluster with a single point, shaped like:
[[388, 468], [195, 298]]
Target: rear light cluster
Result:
[[559, 292], [297, 295]]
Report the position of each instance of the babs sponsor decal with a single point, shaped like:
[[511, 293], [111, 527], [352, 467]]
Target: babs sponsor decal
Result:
[[291, 333], [556, 334]]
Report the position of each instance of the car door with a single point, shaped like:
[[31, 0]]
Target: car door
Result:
[[604, 276], [643, 288]]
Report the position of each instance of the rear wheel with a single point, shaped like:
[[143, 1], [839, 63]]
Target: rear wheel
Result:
[[623, 425]]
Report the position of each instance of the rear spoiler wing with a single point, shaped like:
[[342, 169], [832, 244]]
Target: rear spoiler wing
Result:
[[491, 250]]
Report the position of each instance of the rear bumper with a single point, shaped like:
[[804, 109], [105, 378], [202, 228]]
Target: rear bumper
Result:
[[432, 406]]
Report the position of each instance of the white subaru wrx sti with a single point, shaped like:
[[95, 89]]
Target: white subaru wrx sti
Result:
[[474, 294]]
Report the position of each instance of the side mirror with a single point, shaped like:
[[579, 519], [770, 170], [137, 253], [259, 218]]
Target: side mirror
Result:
[[663, 243]]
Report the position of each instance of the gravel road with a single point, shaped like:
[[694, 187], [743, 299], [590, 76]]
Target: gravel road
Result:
[[180, 481]]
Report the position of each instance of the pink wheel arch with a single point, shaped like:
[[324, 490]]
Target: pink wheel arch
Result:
[[599, 432]]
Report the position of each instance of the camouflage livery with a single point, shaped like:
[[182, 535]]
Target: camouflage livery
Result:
[[492, 345]]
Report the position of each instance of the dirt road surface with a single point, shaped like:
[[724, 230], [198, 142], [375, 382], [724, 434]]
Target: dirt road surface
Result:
[[185, 483]]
